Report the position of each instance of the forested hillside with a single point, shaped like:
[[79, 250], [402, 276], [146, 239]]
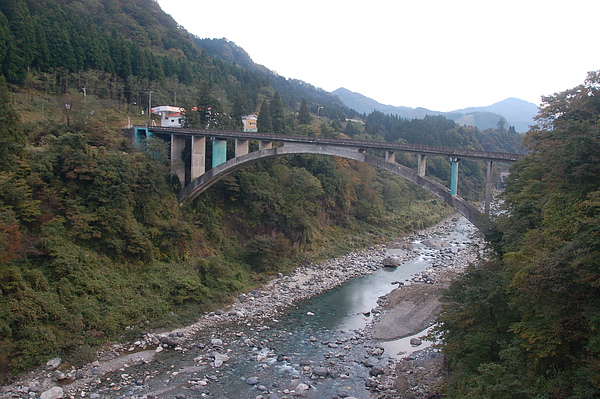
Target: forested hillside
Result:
[[525, 324], [93, 243]]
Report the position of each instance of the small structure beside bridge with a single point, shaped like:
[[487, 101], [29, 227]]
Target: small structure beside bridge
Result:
[[193, 170]]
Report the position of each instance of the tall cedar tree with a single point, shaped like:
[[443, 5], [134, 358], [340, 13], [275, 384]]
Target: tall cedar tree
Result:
[[304, 117]]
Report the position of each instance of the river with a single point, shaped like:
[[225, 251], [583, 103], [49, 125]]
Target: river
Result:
[[317, 348]]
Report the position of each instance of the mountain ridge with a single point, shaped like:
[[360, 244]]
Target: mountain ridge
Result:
[[518, 113]]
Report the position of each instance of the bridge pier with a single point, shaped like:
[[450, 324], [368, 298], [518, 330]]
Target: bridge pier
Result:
[[198, 161], [390, 156], [488, 187], [219, 152], [177, 162], [242, 147], [454, 176], [265, 145], [421, 164]]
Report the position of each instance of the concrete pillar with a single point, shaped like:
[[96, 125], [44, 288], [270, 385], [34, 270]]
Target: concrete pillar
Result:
[[198, 162], [265, 145], [241, 147], [454, 176], [421, 164], [390, 156], [177, 163], [488, 187], [219, 154]]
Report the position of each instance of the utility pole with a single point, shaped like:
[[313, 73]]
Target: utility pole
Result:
[[317, 132], [149, 107]]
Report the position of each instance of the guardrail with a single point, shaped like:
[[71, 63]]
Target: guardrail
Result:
[[361, 144]]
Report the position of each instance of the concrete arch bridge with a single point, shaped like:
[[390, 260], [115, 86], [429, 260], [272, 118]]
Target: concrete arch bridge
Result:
[[201, 179]]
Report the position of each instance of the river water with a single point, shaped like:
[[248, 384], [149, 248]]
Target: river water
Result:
[[320, 343]]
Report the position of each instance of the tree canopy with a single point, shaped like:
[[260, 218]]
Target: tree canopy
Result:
[[526, 323]]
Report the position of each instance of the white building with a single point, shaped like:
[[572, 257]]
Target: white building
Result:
[[169, 116]]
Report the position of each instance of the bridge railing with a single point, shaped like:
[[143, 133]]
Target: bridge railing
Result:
[[379, 145]]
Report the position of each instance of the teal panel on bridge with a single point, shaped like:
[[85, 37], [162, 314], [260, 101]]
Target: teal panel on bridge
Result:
[[140, 134], [219, 152], [454, 178]]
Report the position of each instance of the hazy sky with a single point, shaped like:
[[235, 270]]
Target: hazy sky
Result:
[[437, 54]]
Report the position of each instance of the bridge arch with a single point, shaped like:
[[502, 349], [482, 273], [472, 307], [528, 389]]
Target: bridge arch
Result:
[[203, 182]]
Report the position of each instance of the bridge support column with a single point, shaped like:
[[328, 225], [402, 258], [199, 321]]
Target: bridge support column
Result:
[[390, 156], [454, 176], [265, 145], [177, 163], [241, 147], [198, 162], [219, 152], [488, 187], [421, 164]]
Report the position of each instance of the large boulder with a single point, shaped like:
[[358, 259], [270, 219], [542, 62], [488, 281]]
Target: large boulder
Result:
[[390, 261], [53, 393]]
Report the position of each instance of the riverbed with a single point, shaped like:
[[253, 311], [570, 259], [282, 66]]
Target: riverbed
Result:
[[307, 334]]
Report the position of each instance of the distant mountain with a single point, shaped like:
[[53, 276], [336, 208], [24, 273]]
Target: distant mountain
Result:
[[518, 113]]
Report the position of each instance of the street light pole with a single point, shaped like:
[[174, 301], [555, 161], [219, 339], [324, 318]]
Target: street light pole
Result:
[[317, 132]]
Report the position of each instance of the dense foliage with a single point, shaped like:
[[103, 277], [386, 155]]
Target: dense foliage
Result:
[[526, 324]]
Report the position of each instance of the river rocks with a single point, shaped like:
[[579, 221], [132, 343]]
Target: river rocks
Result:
[[219, 359], [169, 341], [53, 393], [53, 364], [391, 262], [301, 390], [252, 381]]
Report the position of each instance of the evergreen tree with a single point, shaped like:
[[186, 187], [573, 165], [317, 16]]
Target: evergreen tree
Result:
[[12, 138], [263, 122], [304, 117], [277, 114]]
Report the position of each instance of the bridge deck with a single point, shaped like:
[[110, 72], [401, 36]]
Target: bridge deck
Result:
[[378, 145]]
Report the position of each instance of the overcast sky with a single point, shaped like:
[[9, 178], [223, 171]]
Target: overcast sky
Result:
[[437, 54]]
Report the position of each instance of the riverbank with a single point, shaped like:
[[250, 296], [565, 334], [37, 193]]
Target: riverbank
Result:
[[139, 369], [410, 309]]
